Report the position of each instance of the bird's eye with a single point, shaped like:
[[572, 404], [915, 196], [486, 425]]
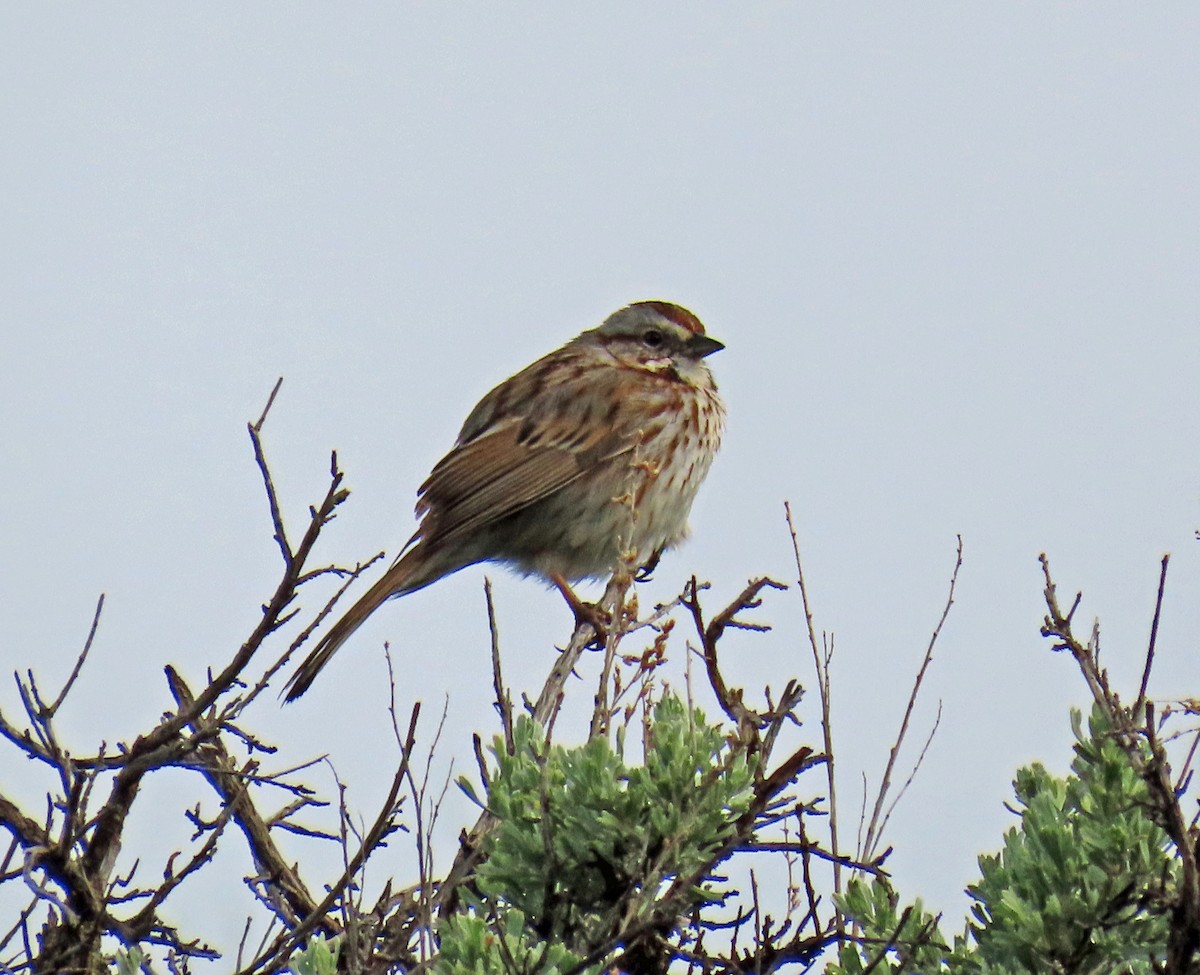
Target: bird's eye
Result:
[[653, 338]]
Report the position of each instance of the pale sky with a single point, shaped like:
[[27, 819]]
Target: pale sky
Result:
[[953, 251]]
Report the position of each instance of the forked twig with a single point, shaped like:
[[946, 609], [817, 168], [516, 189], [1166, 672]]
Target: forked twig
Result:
[[1134, 730], [731, 701], [876, 823], [821, 662], [913, 772], [285, 943]]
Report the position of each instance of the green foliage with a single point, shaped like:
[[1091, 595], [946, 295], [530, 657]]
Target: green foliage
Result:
[[913, 945], [588, 845], [471, 945], [320, 957], [130, 962], [1081, 885]]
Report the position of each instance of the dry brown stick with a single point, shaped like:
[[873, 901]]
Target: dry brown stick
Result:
[[83, 907], [160, 744], [601, 707], [423, 832], [891, 941], [503, 698], [168, 743], [220, 769], [146, 919], [1185, 770], [913, 772], [87, 646], [1158, 601], [810, 890], [286, 943], [1130, 730], [778, 714], [550, 698], [23, 740], [20, 927], [875, 825], [1183, 939], [29, 833], [813, 849], [41, 722], [731, 701], [748, 598], [260, 459], [1058, 626], [821, 664], [7, 859]]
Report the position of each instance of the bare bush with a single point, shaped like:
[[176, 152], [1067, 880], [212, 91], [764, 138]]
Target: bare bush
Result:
[[660, 892]]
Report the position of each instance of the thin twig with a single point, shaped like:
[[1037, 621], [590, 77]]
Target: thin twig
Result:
[[258, 425], [890, 943], [1136, 734], [260, 458], [550, 698], [503, 698], [1158, 601], [875, 826], [87, 646], [913, 773], [284, 944], [821, 662], [731, 701], [784, 846]]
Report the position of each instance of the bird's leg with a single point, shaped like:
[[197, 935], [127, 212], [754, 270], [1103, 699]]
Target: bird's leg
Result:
[[589, 613], [646, 570]]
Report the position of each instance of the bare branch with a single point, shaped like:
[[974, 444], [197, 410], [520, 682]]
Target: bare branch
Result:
[[87, 646], [503, 699], [282, 947], [731, 701], [913, 773], [1136, 734], [821, 662], [231, 786], [1158, 601], [876, 823], [260, 458]]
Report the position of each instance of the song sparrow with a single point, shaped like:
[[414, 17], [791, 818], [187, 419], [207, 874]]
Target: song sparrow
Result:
[[590, 456]]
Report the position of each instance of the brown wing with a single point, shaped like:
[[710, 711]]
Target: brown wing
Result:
[[505, 462]]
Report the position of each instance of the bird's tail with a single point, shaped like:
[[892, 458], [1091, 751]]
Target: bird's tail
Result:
[[392, 584]]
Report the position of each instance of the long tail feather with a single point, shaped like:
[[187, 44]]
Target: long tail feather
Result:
[[391, 584]]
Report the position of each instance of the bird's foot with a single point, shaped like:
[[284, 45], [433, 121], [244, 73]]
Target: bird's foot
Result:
[[644, 572], [586, 614]]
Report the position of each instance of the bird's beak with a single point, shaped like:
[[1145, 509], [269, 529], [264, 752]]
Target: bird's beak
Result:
[[702, 345]]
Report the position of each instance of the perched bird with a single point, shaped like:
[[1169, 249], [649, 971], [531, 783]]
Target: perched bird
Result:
[[588, 457]]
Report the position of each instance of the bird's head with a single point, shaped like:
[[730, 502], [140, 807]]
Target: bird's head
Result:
[[658, 337]]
